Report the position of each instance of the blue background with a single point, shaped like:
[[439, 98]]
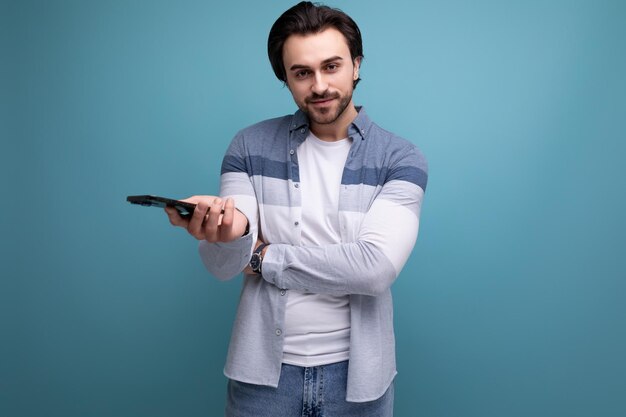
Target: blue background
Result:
[[512, 303]]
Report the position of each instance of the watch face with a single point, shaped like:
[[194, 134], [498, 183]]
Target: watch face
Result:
[[255, 262]]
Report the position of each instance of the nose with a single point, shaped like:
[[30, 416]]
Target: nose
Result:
[[320, 85]]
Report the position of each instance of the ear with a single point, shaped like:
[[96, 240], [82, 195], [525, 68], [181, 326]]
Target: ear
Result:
[[357, 65]]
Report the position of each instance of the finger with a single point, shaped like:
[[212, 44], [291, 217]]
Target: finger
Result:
[[195, 199], [212, 221], [175, 218], [195, 227], [227, 220], [221, 214]]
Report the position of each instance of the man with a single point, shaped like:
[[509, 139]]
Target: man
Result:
[[320, 209]]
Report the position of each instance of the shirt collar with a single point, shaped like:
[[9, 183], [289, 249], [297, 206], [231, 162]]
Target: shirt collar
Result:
[[360, 125]]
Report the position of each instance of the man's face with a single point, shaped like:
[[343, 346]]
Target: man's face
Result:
[[320, 74]]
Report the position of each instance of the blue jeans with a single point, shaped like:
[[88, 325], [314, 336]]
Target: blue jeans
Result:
[[318, 391]]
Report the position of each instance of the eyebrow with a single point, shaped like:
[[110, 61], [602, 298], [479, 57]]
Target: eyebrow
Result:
[[326, 61]]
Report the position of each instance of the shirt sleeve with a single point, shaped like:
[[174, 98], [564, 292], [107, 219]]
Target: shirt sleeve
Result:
[[227, 260], [371, 263]]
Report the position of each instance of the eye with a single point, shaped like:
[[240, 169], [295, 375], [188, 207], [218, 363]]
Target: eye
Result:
[[332, 67], [302, 74]]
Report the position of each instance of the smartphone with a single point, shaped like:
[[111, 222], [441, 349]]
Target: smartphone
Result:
[[184, 209]]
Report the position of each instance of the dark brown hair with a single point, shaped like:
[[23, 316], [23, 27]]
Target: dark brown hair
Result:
[[308, 18]]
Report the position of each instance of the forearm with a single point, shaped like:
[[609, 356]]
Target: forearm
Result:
[[226, 260], [367, 266], [349, 268]]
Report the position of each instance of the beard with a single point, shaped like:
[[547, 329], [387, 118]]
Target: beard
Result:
[[325, 115]]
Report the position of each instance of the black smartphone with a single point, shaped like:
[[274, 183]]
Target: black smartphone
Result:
[[184, 209]]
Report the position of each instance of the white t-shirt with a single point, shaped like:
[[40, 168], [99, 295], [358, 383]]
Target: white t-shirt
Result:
[[317, 326]]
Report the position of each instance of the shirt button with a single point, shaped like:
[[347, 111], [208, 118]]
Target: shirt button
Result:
[[296, 223], [283, 292], [297, 185], [278, 332], [291, 152], [302, 130]]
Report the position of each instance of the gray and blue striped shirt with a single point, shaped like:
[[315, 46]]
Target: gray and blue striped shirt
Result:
[[380, 199]]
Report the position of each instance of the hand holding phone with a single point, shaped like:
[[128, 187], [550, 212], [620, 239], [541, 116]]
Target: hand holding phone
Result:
[[204, 217]]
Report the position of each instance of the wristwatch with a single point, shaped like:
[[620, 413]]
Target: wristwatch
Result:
[[257, 258]]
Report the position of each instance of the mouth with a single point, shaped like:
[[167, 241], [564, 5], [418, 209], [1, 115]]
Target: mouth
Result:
[[321, 101]]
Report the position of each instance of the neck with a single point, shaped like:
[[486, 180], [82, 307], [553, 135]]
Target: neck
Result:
[[338, 129]]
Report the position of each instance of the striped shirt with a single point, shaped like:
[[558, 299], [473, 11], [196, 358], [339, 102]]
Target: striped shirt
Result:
[[381, 193]]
